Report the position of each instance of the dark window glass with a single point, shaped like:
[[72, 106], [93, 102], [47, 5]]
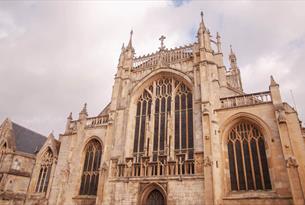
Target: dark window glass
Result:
[[90, 175], [45, 171], [247, 142]]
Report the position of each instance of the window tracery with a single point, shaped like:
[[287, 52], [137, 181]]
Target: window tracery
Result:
[[166, 104], [44, 171], [247, 158], [90, 174], [2, 151]]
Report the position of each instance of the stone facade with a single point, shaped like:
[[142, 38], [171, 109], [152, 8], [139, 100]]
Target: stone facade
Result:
[[134, 152]]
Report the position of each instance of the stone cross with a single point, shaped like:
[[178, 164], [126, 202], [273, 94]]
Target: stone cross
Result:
[[162, 38]]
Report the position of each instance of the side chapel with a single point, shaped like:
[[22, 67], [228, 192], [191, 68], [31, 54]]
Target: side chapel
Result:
[[179, 130]]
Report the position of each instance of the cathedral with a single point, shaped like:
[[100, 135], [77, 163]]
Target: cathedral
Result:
[[178, 130]]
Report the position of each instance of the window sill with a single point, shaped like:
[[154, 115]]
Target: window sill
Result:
[[84, 197], [236, 195]]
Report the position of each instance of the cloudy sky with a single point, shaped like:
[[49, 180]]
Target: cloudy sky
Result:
[[55, 56]]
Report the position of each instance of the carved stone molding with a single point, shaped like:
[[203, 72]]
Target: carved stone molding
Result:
[[207, 162], [144, 185], [291, 162]]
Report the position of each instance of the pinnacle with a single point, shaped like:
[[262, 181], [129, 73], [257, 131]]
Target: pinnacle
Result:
[[272, 81]]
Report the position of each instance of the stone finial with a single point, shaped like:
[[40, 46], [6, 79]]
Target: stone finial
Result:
[[84, 110], [70, 116], [129, 46], [231, 50], [273, 82], [218, 42], [83, 113], [232, 58], [202, 26], [68, 124]]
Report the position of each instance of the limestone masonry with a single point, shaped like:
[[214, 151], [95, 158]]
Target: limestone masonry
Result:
[[179, 130]]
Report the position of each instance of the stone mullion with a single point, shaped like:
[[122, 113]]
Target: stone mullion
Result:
[[42, 179], [180, 125], [152, 120], [159, 127], [235, 163], [250, 136], [139, 132], [166, 125], [86, 173], [186, 125], [172, 113], [39, 179], [260, 163], [91, 171], [243, 163]]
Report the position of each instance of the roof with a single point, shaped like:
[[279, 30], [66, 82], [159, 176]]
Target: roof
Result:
[[105, 111], [27, 140]]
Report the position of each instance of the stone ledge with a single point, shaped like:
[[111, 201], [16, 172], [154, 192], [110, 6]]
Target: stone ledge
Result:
[[241, 195], [8, 195], [84, 200], [159, 178]]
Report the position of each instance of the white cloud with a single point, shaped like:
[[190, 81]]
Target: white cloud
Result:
[[54, 56]]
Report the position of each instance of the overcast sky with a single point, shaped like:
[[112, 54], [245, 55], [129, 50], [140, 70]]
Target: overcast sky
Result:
[[55, 56]]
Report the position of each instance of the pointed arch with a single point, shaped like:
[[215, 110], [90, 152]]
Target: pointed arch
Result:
[[245, 139], [45, 168], [153, 189], [163, 116], [90, 173]]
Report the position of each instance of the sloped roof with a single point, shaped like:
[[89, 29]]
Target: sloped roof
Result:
[[27, 140], [105, 111]]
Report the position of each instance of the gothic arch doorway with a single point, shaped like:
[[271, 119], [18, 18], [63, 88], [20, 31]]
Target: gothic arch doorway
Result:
[[153, 194], [155, 197]]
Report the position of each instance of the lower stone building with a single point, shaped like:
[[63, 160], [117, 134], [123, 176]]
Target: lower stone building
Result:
[[179, 130]]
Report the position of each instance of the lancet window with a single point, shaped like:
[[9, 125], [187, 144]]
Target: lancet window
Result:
[[164, 120], [2, 151], [90, 174], [248, 162], [44, 171]]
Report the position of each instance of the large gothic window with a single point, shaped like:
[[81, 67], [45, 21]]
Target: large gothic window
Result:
[[247, 158], [44, 171], [164, 112], [90, 174]]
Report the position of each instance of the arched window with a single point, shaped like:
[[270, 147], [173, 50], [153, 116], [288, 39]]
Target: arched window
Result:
[[247, 158], [166, 104], [2, 151], [45, 171], [90, 174]]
